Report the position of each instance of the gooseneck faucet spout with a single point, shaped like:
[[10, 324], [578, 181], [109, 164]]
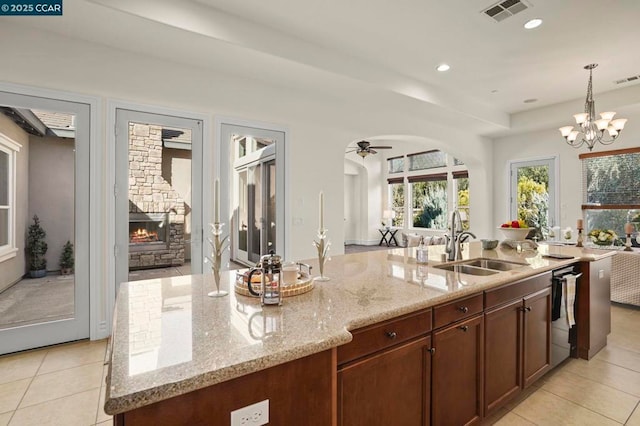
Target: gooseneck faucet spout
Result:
[[458, 236], [456, 226]]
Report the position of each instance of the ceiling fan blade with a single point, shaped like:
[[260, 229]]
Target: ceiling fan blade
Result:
[[372, 151], [381, 147], [351, 150]]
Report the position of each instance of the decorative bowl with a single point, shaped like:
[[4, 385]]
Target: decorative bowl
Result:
[[489, 244], [602, 237], [516, 234]]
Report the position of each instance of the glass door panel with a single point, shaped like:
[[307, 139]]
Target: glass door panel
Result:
[[255, 213], [44, 226], [159, 229], [270, 210]]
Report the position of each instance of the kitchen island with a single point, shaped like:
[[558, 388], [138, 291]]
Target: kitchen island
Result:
[[177, 354]]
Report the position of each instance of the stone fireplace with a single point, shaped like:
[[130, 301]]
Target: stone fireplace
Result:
[[156, 209]]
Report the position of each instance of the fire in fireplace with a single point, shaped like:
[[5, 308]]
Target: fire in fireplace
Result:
[[148, 228]]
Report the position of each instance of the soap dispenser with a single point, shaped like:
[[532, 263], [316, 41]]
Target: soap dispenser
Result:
[[422, 252]]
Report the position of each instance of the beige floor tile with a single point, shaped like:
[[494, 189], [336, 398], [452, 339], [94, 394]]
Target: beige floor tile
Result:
[[495, 417], [4, 418], [606, 373], [102, 416], [62, 383], [74, 410], [20, 366], [620, 356], [634, 420], [11, 393], [73, 355], [544, 408], [602, 399], [512, 419], [521, 397]]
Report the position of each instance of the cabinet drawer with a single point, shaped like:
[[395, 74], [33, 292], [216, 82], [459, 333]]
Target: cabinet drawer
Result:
[[457, 310], [516, 290], [373, 338]]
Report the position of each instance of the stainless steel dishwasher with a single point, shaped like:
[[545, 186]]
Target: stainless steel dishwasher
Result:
[[563, 337]]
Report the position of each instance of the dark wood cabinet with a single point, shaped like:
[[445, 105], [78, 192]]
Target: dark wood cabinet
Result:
[[536, 359], [503, 355], [517, 346], [594, 307], [457, 373], [391, 387]]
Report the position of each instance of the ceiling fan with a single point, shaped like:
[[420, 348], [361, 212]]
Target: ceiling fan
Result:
[[364, 148]]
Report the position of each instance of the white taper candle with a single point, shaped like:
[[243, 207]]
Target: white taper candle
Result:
[[321, 211], [216, 201]]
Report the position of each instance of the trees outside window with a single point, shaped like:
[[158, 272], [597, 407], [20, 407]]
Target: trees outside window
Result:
[[429, 204], [431, 185]]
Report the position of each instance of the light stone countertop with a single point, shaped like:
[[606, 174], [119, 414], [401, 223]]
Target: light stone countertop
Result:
[[170, 338]]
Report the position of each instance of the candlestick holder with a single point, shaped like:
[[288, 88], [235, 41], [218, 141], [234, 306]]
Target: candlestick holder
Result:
[[627, 244], [580, 239], [217, 247], [323, 248]]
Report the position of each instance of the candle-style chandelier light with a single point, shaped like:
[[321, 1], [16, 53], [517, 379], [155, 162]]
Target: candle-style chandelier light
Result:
[[590, 129]]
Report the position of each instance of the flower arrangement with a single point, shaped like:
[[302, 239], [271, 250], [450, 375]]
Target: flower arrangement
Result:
[[602, 237]]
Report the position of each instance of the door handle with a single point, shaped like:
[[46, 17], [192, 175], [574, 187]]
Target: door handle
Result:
[[464, 328], [463, 309], [391, 334]]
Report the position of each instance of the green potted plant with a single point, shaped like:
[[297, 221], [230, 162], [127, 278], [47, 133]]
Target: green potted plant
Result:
[[36, 249], [66, 259]]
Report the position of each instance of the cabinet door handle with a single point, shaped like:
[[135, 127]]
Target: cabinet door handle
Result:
[[464, 328], [391, 334], [527, 309], [432, 350], [463, 309]]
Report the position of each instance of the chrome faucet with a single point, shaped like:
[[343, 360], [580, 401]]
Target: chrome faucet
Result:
[[457, 237]]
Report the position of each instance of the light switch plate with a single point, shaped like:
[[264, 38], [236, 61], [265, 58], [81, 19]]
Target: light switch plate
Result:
[[252, 415], [601, 273]]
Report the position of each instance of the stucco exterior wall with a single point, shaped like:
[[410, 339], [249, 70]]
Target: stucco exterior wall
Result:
[[11, 270], [51, 192]]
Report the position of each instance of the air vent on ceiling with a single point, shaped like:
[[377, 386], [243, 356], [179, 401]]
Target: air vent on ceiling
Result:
[[505, 9], [628, 79]]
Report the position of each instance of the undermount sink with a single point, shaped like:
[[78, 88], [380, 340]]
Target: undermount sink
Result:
[[499, 265], [481, 266], [466, 269]]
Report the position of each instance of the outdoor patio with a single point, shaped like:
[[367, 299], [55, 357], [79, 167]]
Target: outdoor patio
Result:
[[51, 298]]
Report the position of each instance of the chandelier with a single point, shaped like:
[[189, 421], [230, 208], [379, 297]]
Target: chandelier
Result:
[[591, 130]]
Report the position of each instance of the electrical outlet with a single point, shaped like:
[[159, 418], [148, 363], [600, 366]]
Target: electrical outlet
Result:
[[252, 415]]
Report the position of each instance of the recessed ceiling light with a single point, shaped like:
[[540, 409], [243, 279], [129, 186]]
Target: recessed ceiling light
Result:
[[443, 67], [534, 23], [530, 101]]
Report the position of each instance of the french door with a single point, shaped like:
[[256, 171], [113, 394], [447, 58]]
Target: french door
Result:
[[159, 225], [255, 224], [533, 191], [252, 166], [44, 196]]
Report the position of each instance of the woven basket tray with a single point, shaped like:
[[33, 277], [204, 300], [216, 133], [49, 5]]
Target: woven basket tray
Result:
[[303, 284]]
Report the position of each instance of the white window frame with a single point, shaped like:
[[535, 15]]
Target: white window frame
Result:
[[11, 148], [452, 188], [554, 185]]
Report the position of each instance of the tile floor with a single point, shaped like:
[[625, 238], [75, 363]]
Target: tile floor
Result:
[[64, 385]]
